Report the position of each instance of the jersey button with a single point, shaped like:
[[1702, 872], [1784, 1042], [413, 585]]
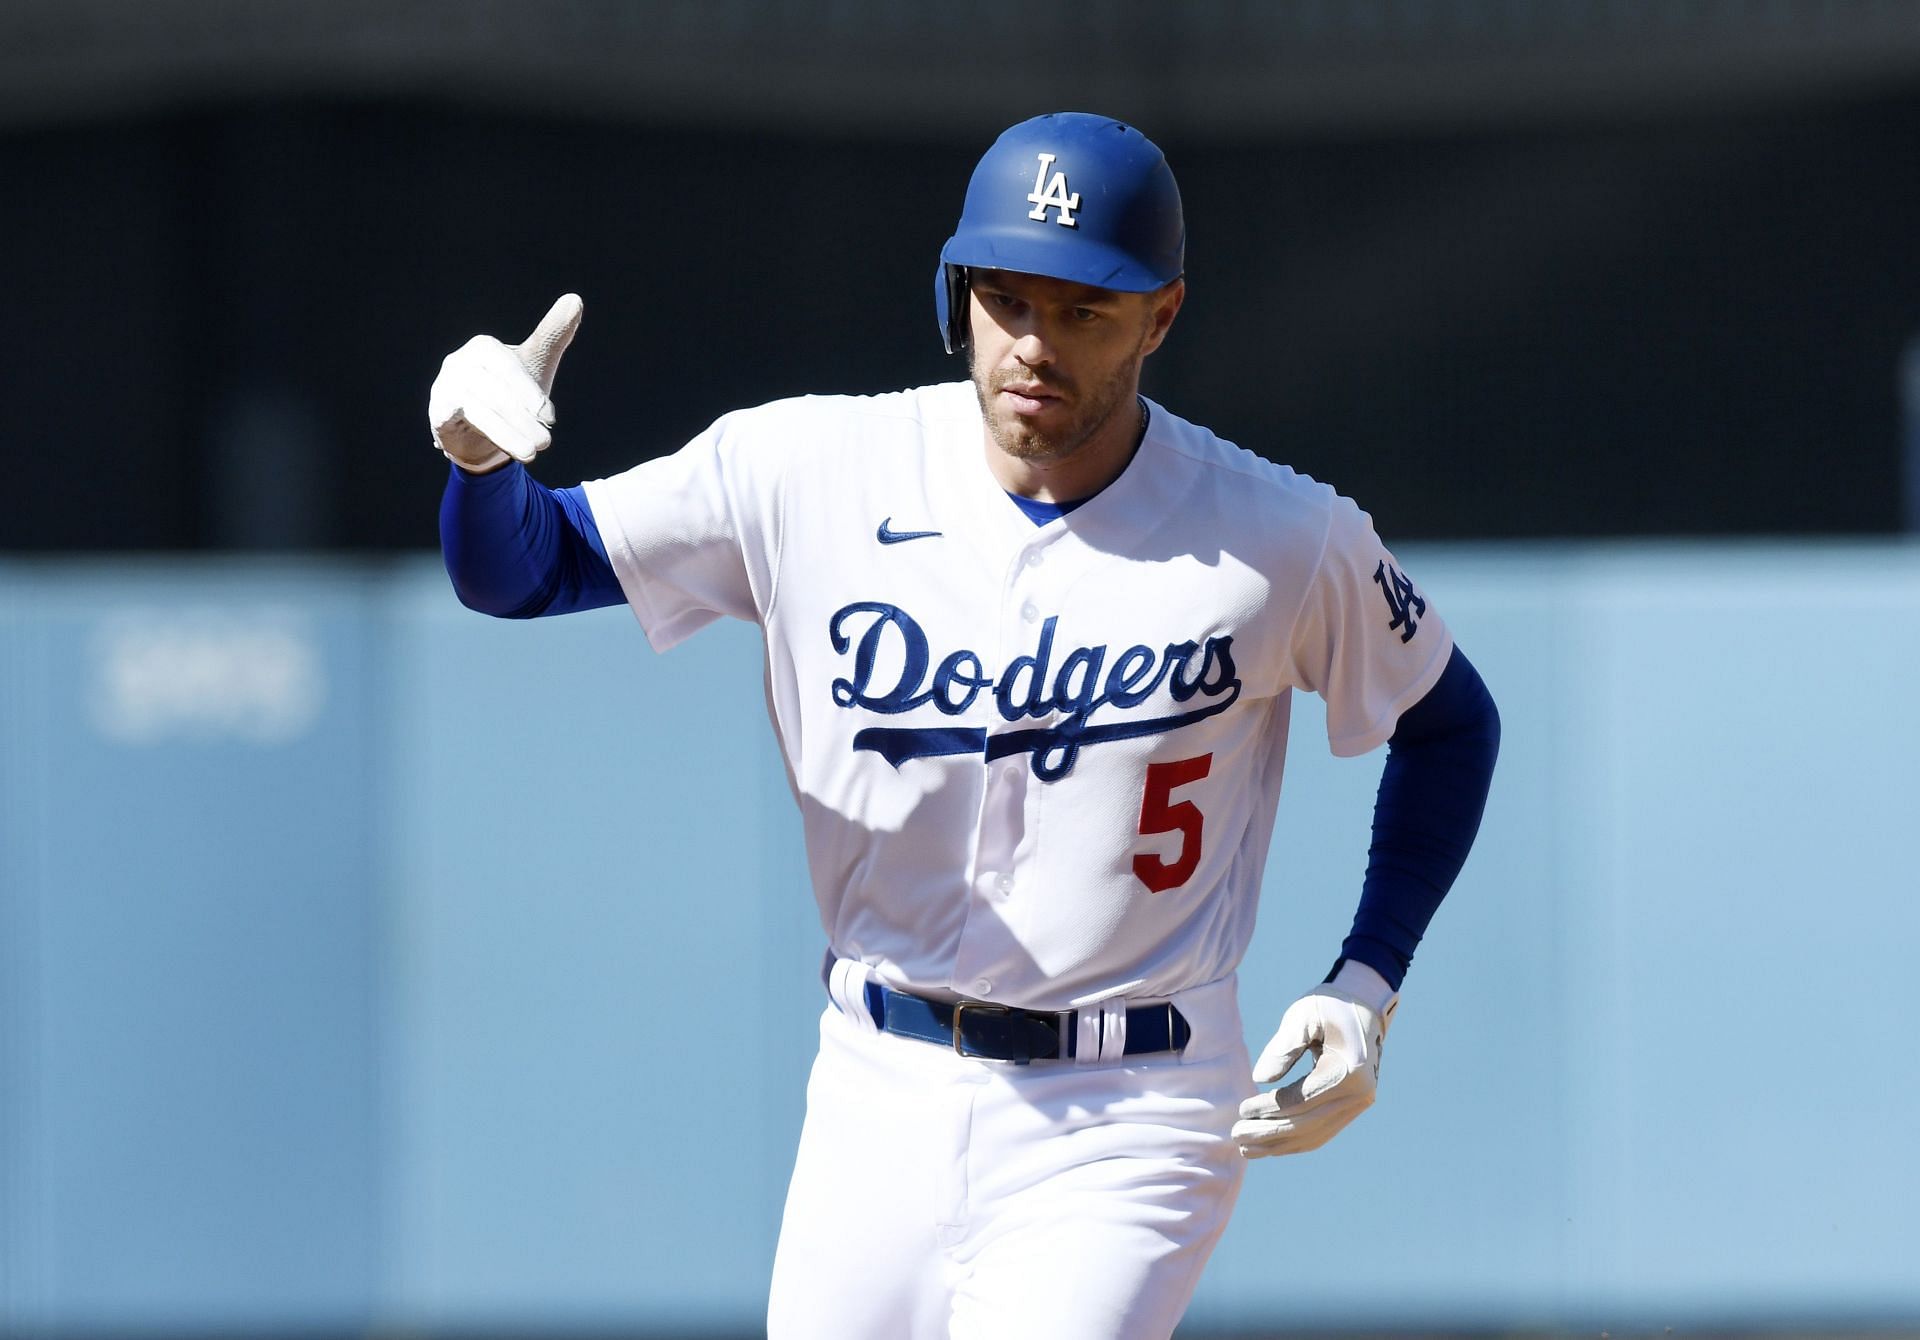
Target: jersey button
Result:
[[983, 987], [1029, 611], [1004, 884], [1035, 559]]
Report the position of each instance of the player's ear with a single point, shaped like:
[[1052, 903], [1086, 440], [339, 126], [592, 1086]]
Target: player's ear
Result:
[[1163, 306]]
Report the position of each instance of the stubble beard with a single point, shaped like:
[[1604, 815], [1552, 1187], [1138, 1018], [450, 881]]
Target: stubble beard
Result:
[[1026, 441]]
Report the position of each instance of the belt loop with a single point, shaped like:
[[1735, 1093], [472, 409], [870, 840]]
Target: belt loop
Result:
[[847, 984], [1086, 1046], [1113, 1029]]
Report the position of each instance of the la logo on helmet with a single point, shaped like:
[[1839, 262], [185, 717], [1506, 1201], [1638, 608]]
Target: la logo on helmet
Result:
[[1053, 194]]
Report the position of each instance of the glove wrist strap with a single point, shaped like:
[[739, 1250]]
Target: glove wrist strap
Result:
[[1364, 984]]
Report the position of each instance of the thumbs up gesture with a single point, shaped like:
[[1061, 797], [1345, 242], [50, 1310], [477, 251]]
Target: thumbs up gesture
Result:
[[493, 402]]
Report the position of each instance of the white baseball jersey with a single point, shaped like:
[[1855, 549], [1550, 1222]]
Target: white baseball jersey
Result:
[[1037, 765]]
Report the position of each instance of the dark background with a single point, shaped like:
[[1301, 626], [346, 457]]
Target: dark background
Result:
[[1656, 308]]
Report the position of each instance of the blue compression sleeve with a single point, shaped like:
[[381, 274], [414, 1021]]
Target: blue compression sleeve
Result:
[[517, 549], [1433, 790]]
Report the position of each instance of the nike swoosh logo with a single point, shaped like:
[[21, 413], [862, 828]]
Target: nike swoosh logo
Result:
[[888, 535]]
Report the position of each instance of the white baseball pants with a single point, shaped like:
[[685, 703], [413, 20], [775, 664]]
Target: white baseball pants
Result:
[[935, 1196]]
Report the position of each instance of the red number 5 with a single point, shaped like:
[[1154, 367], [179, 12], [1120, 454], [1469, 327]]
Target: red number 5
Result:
[[1157, 815]]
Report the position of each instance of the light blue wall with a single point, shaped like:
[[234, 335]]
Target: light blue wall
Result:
[[367, 962], [190, 949]]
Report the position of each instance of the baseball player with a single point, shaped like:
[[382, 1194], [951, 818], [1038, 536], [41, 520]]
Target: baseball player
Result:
[[1030, 644]]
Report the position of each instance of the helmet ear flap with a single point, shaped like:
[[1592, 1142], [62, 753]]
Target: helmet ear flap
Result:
[[950, 290]]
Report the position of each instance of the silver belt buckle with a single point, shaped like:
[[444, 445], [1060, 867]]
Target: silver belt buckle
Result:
[[980, 1007]]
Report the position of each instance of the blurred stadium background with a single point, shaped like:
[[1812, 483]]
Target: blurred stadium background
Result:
[[368, 968]]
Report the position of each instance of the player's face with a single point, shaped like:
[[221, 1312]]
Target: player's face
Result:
[[1056, 365]]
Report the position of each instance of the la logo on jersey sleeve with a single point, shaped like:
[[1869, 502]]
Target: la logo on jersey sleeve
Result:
[[1405, 606]]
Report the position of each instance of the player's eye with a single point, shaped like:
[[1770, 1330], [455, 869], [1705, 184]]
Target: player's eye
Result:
[[1085, 314]]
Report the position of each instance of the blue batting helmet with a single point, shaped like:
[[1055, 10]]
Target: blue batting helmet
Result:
[[1071, 196]]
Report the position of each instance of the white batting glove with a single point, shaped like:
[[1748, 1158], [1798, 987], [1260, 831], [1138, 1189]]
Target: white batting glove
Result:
[[1343, 1024], [492, 401]]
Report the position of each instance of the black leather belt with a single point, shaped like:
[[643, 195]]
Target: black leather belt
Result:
[[1003, 1033]]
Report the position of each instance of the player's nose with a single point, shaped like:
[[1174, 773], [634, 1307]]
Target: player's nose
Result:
[[1033, 349]]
